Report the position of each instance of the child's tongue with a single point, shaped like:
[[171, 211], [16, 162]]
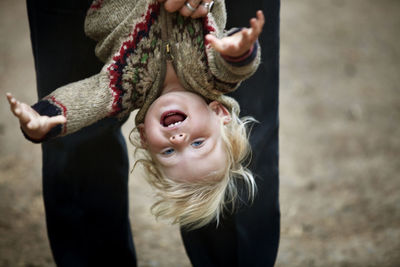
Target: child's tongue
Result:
[[173, 119]]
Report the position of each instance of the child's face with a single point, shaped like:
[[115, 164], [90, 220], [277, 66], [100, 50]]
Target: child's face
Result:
[[183, 134]]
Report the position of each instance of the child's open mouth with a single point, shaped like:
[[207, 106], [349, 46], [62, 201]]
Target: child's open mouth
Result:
[[172, 118]]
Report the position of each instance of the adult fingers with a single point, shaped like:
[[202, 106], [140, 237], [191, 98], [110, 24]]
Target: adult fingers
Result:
[[202, 9], [173, 5], [189, 8]]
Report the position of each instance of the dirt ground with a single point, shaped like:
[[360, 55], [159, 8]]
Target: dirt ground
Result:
[[339, 143]]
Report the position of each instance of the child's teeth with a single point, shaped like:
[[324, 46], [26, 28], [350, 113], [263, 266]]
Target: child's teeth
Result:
[[174, 124]]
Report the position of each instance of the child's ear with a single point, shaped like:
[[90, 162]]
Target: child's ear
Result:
[[221, 111], [143, 139]]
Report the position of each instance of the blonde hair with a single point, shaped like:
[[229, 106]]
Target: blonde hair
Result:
[[195, 204]]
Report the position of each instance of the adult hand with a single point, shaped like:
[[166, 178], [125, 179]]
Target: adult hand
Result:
[[239, 43], [32, 123], [192, 8]]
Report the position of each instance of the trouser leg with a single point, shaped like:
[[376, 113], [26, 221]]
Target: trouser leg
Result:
[[85, 189], [85, 175], [250, 237]]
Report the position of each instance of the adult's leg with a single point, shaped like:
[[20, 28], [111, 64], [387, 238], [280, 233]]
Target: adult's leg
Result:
[[251, 236], [85, 175]]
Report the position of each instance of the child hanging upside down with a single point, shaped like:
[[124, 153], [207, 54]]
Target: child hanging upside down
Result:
[[175, 71]]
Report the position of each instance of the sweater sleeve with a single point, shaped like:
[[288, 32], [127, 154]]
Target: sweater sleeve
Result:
[[82, 103], [229, 72], [87, 101], [130, 57]]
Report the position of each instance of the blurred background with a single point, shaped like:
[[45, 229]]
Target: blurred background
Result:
[[339, 143]]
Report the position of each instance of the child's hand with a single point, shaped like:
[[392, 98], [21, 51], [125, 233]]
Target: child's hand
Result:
[[34, 125], [239, 43]]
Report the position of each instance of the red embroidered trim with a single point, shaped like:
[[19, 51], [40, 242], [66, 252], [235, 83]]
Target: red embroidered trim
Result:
[[96, 4], [64, 109], [207, 28], [115, 69]]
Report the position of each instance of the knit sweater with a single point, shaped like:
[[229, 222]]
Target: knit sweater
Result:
[[135, 38]]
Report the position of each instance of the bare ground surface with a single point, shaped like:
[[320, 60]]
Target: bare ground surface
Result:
[[340, 145]]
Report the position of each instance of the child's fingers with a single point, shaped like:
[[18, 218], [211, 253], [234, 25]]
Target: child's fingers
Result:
[[16, 108], [252, 33], [215, 43], [259, 20], [53, 121], [9, 96], [247, 34], [17, 112], [25, 114], [257, 24], [20, 110], [47, 123], [33, 125], [12, 101], [260, 17], [247, 39]]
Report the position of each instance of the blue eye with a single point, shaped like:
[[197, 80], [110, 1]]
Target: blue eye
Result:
[[197, 143], [168, 151]]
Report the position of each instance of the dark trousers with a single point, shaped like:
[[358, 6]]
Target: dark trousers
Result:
[[85, 175], [250, 237]]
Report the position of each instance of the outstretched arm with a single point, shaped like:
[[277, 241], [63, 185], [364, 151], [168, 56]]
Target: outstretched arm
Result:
[[32, 123], [241, 42], [235, 56]]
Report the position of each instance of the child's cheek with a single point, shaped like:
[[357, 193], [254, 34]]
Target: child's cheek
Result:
[[155, 141]]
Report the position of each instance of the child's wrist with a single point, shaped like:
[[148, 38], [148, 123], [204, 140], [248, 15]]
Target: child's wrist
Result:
[[239, 58]]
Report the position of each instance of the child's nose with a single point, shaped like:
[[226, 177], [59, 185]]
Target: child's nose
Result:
[[178, 138]]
